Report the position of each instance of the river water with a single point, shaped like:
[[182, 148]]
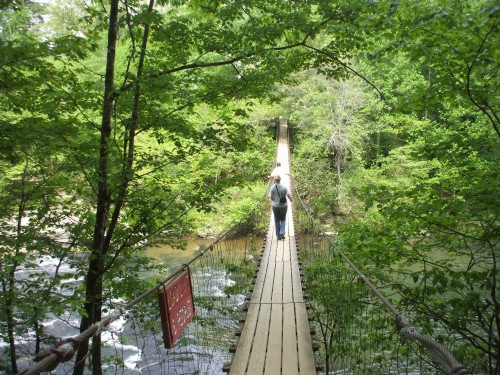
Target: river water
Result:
[[145, 354], [175, 258]]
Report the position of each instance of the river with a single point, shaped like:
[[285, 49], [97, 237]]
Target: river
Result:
[[144, 353], [175, 258]]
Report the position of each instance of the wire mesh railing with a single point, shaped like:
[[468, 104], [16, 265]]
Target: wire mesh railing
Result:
[[132, 337], [357, 329]]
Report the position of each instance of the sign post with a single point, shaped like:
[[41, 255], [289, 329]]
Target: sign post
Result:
[[176, 307]]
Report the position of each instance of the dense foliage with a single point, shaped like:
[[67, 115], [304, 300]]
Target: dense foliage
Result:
[[121, 119], [108, 143], [409, 172]]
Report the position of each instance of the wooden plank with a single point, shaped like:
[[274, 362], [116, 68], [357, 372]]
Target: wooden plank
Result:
[[296, 279], [290, 355], [242, 355], [259, 347], [286, 242], [292, 228], [286, 252], [271, 231], [261, 275], [285, 257], [259, 282], [267, 288], [273, 355], [298, 296], [287, 283], [306, 355], [293, 250], [280, 250], [265, 253], [277, 296], [273, 252], [276, 337]]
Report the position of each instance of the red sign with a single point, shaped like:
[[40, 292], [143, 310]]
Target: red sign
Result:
[[176, 307]]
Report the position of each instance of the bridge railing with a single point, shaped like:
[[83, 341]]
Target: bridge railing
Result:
[[132, 334], [357, 329]]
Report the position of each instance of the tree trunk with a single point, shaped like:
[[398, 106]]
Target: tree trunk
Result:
[[10, 326], [93, 282], [93, 304], [129, 144], [38, 331], [9, 285], [102, 235]]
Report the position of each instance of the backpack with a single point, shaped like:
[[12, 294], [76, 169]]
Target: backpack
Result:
[[282, 198]]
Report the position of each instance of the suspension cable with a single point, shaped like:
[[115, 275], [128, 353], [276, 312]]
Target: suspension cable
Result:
[[47, 360], [437, 351]]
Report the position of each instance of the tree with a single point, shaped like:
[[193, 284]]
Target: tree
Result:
[[424, 217], [328, 136], [198, 53], [33, 209], [162, 63]]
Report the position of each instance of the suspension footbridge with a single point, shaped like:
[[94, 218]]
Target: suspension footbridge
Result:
[[250, 314], [276, 336]]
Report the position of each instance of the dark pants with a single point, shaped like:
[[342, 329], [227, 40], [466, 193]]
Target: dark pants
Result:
[[280, 220]]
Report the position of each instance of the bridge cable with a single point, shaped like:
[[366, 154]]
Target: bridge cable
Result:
[[47, 360], [440, 354]]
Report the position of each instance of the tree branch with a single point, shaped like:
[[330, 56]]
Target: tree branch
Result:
[[347, 67]]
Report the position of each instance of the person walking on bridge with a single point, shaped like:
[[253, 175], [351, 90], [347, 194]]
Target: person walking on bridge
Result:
[[279, 171], [278, 194]]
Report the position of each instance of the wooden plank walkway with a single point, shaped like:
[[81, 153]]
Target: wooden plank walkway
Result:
[[276, 336]]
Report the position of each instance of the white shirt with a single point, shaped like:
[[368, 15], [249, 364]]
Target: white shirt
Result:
[[278, 171]]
